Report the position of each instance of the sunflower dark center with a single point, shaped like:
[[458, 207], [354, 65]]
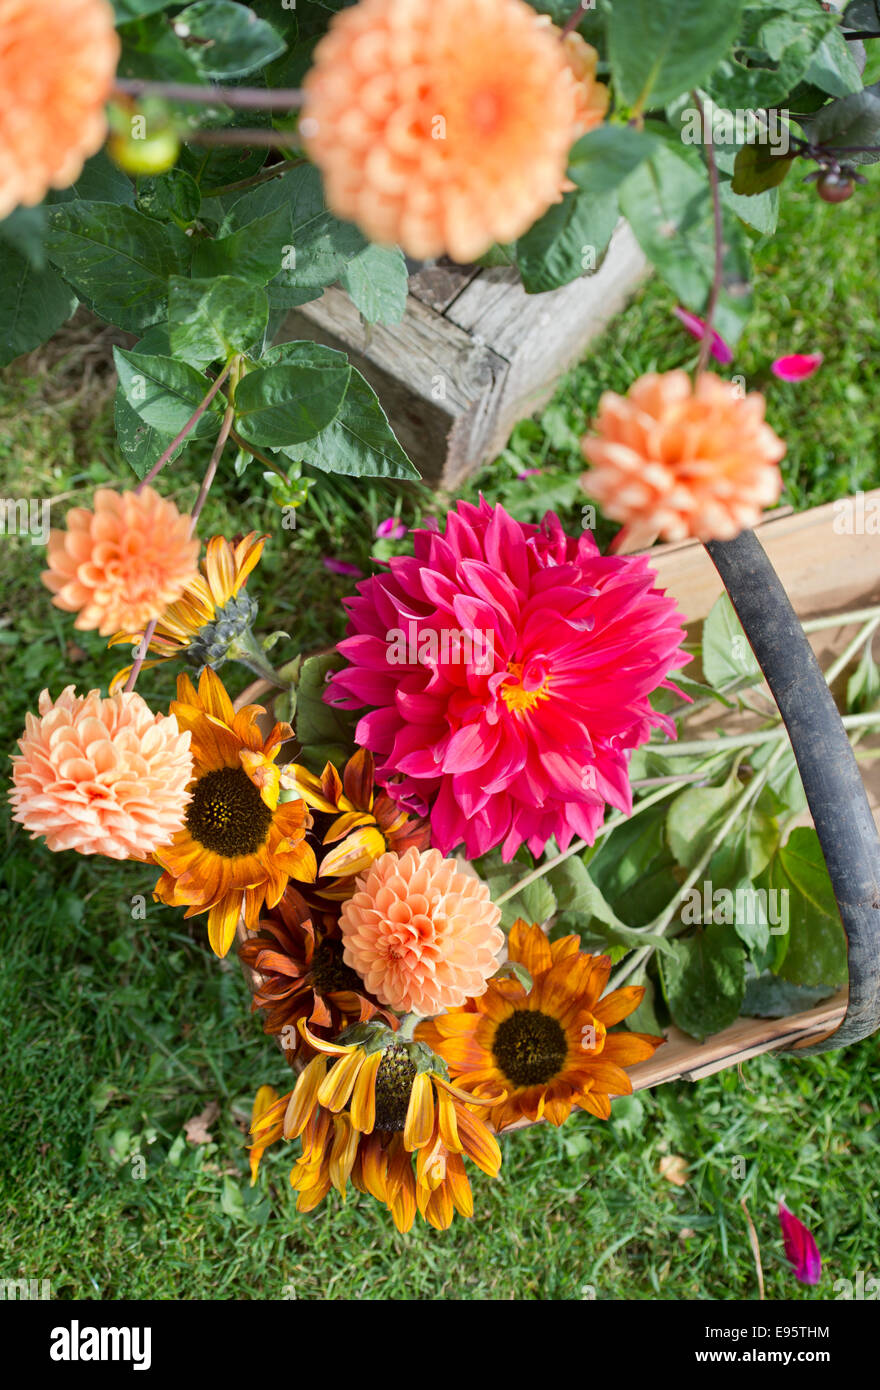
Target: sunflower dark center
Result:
[[329, 971], [227, 814], [394, 1080], [530, 1048]]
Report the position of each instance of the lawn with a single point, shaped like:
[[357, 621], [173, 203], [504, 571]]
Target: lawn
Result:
[[120, 1027]]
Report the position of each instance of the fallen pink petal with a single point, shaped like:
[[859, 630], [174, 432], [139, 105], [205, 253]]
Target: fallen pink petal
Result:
[[797, 366], [529, 473], [801, 1249], [341, 567], [391, 529], [697, 329]]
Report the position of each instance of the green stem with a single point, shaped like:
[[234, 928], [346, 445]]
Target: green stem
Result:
[[247, 650], [577, 845], [658, 926], [715, 745], [273, 171]]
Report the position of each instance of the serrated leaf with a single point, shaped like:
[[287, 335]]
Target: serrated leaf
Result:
[[727, 655], [378, 283], [286, 403], [165, 392], [703, 980], [815, 942], [139, 442], [660, 48], [567, 241], [600, 160], [227, 40], [214, 318], [33, 304], [117, 259], [359, 442], [255, 252]]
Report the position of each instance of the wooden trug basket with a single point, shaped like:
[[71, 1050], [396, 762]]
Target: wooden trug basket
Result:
[[824, 572]]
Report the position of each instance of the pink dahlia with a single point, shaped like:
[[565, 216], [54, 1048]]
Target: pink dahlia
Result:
[[422, 934], [508, 669]]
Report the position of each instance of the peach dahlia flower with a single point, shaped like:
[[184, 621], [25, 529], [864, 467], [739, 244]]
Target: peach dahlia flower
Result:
[[121, 565], [675, 460], [57, 64], [422, 934], [101, 776], [445, 127]]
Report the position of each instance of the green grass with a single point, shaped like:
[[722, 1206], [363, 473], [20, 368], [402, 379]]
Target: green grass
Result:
[[119, 1029]]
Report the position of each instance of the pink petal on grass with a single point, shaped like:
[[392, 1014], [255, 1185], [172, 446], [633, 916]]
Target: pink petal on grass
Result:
[[801, 1249], [529, 473], [341, 567], [697, 328], [797, 366], [391, 529]]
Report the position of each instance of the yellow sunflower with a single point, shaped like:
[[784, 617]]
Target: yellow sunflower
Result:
[[238, 846], [212, 615], [362, 1110], [364, 824], [548, 1047]]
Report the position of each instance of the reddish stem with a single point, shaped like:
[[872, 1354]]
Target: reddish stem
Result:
[[190, 425]]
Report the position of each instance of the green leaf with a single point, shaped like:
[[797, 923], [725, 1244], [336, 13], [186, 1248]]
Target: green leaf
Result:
[[579, 897], [758, 168], [832, 67], [863, 686], [139, 442], [33, 304], [862, 14], [101, 181], [660, 48], [24, 230], [165, 392], [567, 241], [767, 996], [378, 283], [359, 442], [703, 980], [635, 869], [727, 655], [287, 403], [118, 260], [212, 319], [776, 44], [325, 732], [128, 10], [784, 779], [816, 942], [668, 204], [231, 1200], [694, 818], [227, 40], [600, 160], [255, 252], [169, 197], [760, 211], [852, 120]]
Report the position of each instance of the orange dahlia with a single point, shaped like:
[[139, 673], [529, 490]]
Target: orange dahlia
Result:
[[547, 1048], [238, 846], [422, 935], [300, 974], [101, 776], [675, 460], [211, 616], [363, 1110], [364, 824], [446, 127], [57, 63], [592, 96], [123, 563]]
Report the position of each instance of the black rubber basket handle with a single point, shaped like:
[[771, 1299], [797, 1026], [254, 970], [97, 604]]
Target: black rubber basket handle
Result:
[[829, 772]]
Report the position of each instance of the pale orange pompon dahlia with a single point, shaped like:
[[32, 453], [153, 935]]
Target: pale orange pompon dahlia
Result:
[[122, 564], [101, 776], [675, 460], [57, 64], [444, 127], [592, 96], [422, 935]]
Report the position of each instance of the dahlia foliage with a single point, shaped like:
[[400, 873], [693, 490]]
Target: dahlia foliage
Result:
[[377, 828]]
